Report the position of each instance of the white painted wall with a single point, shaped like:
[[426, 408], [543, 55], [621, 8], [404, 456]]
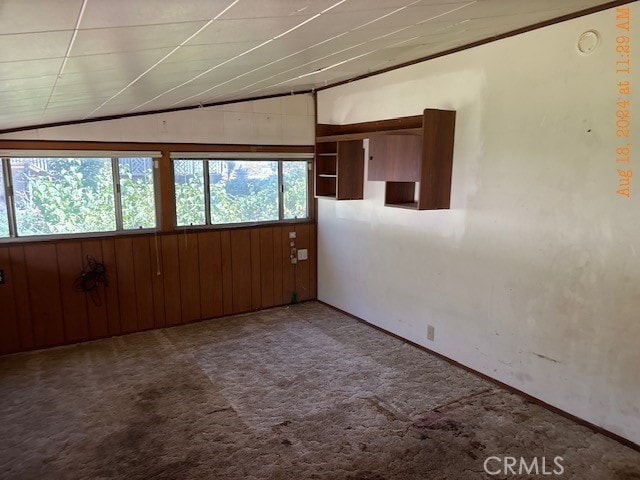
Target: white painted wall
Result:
[[533, 276], [286, 120]]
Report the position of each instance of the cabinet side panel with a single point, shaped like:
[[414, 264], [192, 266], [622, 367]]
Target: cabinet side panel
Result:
[[350, 170], [438, 137]]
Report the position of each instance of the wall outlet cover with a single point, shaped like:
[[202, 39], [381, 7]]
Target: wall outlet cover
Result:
[[303, 254], [431, 332], [292, 234]]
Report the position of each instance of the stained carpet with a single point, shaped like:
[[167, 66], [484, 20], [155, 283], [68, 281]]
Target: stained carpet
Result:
[[301, 392]]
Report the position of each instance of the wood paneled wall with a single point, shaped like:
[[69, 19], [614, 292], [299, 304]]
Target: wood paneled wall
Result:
[[153, 282]]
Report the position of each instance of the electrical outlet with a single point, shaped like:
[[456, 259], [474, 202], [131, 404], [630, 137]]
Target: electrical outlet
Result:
[[292, 234], [431, 332], [303, 254], [2, 277]]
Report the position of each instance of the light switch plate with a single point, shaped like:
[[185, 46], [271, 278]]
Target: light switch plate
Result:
[[302, 254], [292, 234]]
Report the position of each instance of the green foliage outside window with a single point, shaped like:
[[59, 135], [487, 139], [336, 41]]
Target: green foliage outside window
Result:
[[248, 194], [295, 189], [76, 195], [137, 197], [189, 193], [64, 199], [240, 191]]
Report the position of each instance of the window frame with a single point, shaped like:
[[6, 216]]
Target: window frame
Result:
[[8, 186], [208, 225]]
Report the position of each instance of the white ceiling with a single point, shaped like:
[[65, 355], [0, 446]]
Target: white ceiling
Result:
[[68, 60]]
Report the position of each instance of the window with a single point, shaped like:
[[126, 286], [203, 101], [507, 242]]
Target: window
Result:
[[4, 219], [239, 191], [294, 178], [51, 196], [137, 195]]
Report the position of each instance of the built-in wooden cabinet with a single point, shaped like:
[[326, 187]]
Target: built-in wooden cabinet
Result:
[[395, 158], [339, 171], [412, 155]]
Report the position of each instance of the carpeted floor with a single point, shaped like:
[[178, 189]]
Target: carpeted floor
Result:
[[299, 392]]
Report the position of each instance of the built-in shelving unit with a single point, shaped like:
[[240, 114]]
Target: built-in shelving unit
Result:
[[339, 172], [412, 155]]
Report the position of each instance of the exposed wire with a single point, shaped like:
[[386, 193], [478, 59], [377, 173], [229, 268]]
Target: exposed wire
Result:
[[92, 276]]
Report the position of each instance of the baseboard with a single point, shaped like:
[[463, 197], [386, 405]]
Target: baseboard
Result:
[[624, 441]]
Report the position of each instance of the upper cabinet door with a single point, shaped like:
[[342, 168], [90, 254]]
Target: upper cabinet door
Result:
[[395, 158]]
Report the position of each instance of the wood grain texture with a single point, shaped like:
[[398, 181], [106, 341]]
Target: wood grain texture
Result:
[[189, 277], [215, 272], [111, 296], [302, 267], [227, 272], [438, 138], [241, 276], [126, 285], [207, 254], [256, 293], [171, 278], [9, 333], [44, 292], [166, 193], [395, 158], [278, 265], [22, 297], [97, 316], [288, 270], [74, 303], [266, 267], [313, 262], [367, 128], [144, 286], [350, 170], [157, 283], [400, 193], [203, 274]]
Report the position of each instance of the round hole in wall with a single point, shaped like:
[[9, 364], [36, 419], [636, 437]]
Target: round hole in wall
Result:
[[588, 42]]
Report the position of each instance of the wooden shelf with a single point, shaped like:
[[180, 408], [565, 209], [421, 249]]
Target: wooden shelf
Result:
[[339, 170], [408, 205], [412, 155], [416, 169], [363, 135]]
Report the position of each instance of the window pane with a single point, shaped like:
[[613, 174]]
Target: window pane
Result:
[[189, 183], [63, 195], [243, 191], [137, 193], [294, 181], [4, 219]]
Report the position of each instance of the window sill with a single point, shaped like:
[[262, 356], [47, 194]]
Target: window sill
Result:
[[148, 231]]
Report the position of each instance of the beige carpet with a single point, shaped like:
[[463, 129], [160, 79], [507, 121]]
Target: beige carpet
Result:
[[300, 392]]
